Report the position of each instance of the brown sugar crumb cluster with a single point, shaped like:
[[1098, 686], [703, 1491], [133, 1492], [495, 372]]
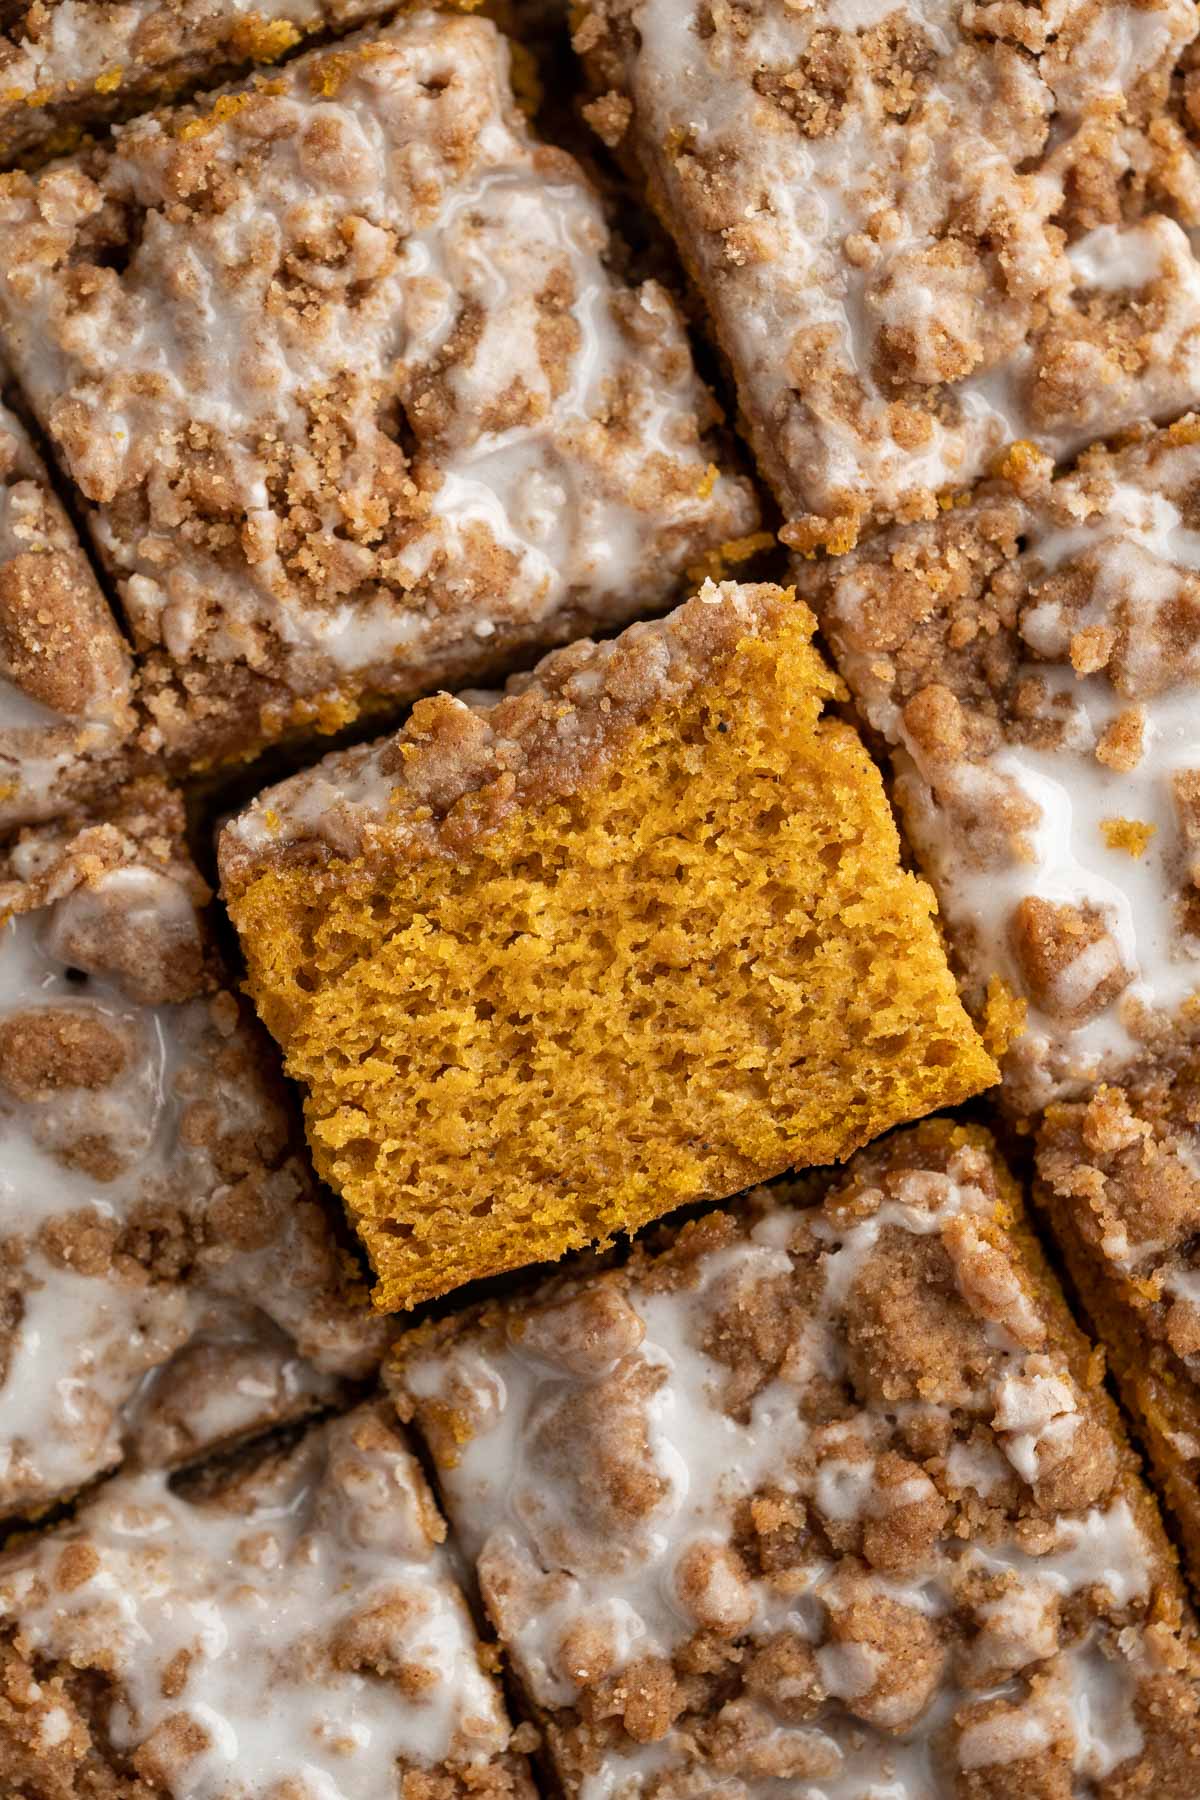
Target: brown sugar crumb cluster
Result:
[[292, 1627], [169, 1279], [69, 64], [356, 404], [1032, 660], [65, 712], [826, 1494], [1119, 1178], [635, 934], [922, 231]]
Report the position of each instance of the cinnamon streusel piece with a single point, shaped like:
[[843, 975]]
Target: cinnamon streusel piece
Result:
[[169, 1278], [290, 1629], [923, 228], [1119, 1180], [65, 713], [634, 934], [825, 1499], [357, 406], [1032, 659]]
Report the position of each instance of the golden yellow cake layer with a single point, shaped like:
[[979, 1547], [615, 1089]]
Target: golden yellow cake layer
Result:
[[634, 936]]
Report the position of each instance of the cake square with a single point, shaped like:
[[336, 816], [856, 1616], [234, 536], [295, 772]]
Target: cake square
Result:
[[922, 230], [65, 711], [356, 402], [827, 1498], [1119, 1183], [289, 1627], [634, 934], [1032, 660], [66, 65], [169, 1276]]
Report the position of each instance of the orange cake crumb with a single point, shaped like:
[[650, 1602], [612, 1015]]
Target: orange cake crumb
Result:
[[633, 935]]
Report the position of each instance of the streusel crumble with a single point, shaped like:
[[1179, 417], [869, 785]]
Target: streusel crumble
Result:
[[826, 1500], [1033, 661], [168, 1277], [357, 405], [923, 228], [70, 64], [65, 712], [1120, 1184], [289, 1629]]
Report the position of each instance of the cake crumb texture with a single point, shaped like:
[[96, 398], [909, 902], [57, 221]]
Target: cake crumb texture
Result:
[[632, 936]]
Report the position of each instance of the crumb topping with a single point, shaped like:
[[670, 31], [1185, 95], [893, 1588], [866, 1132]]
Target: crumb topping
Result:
[[159, 1238], [1033, 660], [460, 765], [66, 63], [1127, 1164], [359, 408], [924, 229], [296, 1630], [823, 1494], [64, 669]]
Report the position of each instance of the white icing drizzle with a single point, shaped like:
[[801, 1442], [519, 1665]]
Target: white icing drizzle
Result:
[[327, 1642], [525, 1482], [91, 1360], [424, 226], [1119, 527], [926, 233]]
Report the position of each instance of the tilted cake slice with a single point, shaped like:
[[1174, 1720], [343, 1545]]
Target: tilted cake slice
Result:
[[632, 935]]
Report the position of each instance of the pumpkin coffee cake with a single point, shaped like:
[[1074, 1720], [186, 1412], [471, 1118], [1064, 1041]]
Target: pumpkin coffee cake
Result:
[[826, 1500], [288, 1628], [355, 403], [632, 935], [169, 1278], [1119, 1181], [65, 684], [922, 229], [1032, 660]]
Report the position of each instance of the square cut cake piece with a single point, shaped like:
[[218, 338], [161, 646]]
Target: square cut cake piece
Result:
[[357, 406], [922, 229], [1119, 1183], [1033, 661], [66, 65], [288, 1628], [65, 712], [169, 1278], [632, 935], [826, 1499]]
